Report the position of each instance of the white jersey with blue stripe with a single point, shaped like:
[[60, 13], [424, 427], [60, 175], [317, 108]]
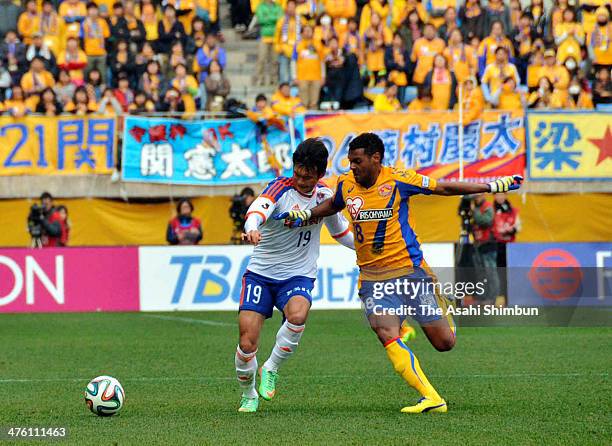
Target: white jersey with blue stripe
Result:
[[286, 251]]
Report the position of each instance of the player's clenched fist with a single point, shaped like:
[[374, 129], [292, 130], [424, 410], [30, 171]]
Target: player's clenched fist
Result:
[[252, 237], [295, 216], [504, 184]]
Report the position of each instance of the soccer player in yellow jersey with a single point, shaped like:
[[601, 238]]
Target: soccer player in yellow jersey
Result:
[[389, 255]]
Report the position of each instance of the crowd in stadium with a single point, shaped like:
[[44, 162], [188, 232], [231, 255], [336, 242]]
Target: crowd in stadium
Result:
[[116, 57]]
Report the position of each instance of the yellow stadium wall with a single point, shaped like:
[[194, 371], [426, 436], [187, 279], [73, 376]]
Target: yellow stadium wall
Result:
[[98, 222]]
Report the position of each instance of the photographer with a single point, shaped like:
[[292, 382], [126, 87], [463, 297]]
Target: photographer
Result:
[[46, 225], [486, 248], [237, 211]]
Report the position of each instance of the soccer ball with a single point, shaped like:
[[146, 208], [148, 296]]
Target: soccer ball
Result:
[[104, 396]]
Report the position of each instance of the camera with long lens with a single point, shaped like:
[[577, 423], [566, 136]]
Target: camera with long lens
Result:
[[35, 228], [237, 212], [466, 214]]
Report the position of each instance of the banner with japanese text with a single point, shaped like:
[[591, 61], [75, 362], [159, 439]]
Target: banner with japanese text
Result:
[[210, 152], [429, 142], [42, 145], [570, 146]]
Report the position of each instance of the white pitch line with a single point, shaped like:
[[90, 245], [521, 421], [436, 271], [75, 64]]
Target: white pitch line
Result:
[[188, 320], [232, 378]]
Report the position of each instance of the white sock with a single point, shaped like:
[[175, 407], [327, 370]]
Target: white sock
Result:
[[246, 370], [287, 340]]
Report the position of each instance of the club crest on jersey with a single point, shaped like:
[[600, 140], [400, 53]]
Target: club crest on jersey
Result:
[[354, 205], [374, 214], [385, 190]]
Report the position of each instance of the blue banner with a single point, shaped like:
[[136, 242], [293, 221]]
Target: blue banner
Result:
[[560, 274], [211, 152]]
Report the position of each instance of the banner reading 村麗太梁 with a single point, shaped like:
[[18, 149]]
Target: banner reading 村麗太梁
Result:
[[41, 145], [569, 146], [208, 152], [429, 142]]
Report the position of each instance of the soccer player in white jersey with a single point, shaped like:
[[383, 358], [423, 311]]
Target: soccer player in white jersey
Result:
[[283, 267]]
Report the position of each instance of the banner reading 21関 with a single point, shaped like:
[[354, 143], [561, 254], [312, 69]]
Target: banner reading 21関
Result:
[[41, 145]]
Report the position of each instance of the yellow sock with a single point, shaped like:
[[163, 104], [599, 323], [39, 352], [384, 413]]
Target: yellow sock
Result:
[[407, 365]]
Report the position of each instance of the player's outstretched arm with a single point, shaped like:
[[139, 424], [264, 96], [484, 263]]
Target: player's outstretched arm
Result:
[[503, 184], [325, 209]]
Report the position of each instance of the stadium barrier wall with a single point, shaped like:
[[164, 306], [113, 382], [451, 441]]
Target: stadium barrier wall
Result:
[[559, 274], [570, 217], [198, 278]]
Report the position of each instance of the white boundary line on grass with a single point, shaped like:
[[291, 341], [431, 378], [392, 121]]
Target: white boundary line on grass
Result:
[[189, 320], [232, 378]]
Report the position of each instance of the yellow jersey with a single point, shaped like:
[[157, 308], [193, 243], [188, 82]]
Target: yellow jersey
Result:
[[386, 245]]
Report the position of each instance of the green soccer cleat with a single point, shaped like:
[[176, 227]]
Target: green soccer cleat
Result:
[[248, 405], [407, 333], [267, 384]]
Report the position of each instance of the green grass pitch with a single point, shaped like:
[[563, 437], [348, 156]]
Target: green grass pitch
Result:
[[508, 385]]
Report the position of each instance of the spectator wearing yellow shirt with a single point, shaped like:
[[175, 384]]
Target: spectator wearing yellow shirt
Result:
[[94, 32], [150, 15], [557, 74], [284, 104], [73, 60], [536, 62], [50, 27], [380, 7], [556, 13], [185, 11], [29, 22], [442, 83], [496, 72], [286, 35], [542, 97], [569, 37], [508, 98], [375, 39], [81, 103], [402, 9], [309, 68], [387, 101], [473, 101], [461, 57], [187, 85], [37, 78], [397, 63], [589, 11], [438, 9], [17, 105], [489, 45], [324, 32], [577, 98], [424, 51], [142, 104], [340, 9], [72, 12], [423, 100], [599, 41]]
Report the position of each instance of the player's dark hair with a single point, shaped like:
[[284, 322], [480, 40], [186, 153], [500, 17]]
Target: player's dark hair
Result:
[[46, 195], [370, 143], [180, 203], [261, 97], [311, 154]]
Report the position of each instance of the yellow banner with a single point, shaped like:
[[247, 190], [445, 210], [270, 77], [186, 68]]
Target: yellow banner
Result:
[[429, 142], [570, 146], [71, 145]]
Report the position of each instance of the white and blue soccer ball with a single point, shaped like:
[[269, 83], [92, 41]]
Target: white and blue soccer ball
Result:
[[104, 396]]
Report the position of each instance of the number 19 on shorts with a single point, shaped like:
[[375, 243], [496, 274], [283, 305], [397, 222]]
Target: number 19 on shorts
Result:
[[255, 296]]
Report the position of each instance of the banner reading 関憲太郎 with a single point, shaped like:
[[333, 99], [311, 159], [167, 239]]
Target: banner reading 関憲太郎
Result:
[[63, 145], [570, 146], [210, 152], [493, 146]]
